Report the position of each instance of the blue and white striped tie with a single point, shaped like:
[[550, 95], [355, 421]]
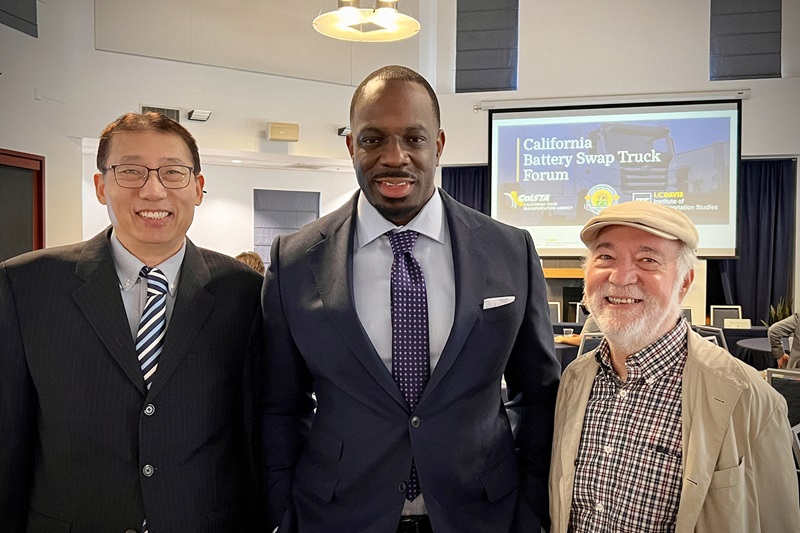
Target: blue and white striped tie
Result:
[[153, 324]]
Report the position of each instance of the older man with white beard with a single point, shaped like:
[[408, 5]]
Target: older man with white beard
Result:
[[657, 429]]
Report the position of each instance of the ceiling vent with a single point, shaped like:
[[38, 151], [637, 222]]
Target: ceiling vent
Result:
[[174, 114]]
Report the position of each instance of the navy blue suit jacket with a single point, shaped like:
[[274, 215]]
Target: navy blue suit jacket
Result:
[[340, 468], [75, 427]]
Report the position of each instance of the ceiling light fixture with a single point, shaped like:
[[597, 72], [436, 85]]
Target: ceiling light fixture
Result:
[[352, 21]]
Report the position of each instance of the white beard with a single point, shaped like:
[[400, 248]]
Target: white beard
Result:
[[631, 331]]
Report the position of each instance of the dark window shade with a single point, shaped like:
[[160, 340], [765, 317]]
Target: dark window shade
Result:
[[486, 45], [278, 213], [20, 15], [745, 39]]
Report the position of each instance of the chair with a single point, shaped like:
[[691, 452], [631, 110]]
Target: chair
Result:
[[796, 443], [720, 312], [687, 314], [555, 312], [581, 313], [589, 341], [787, 383], [709, 331]]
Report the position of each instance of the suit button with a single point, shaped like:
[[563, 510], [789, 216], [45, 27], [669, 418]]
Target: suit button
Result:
[[415, 421], [148, 470], [402, 487], [150, 409]]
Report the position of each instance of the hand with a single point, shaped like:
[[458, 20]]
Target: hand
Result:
[[574, 340], [783, 360]]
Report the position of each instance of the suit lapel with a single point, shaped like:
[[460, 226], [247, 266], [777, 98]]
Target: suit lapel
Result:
[[470, 268], [570, 426], [329, 259], [709, 397], [100, 302], [193, 304]]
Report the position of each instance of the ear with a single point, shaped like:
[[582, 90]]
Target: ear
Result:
[[439, 145], [100, 188], [687, 282], [348, 140], [199, 184]]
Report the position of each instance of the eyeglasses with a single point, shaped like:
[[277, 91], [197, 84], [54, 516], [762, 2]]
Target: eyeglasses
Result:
[[135, 176]]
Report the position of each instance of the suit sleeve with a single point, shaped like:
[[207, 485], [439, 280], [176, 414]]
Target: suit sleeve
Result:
[[287, 404], [532, 377], [17, 415], [778, 331], [246, 424]]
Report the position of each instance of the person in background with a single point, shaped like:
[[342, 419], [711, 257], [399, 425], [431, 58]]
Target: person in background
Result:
[[253, 260], [658, 429], [777, 332], [401, 311], [126, 392], [589, 326]]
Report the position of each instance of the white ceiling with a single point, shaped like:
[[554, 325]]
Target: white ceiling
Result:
[[269, 36]]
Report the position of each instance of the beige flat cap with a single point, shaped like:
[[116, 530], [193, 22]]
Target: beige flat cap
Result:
[[657, 219]]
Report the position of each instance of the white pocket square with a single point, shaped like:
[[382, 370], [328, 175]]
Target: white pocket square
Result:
[[491, 303]]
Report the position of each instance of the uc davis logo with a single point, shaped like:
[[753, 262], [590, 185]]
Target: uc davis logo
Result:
[[515, 201], [599, 197]]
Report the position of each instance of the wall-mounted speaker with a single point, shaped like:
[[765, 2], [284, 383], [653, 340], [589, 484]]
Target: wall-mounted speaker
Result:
[[282, 131]]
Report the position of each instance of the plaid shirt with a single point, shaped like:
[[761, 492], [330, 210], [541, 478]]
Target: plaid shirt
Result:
[[629, 465]]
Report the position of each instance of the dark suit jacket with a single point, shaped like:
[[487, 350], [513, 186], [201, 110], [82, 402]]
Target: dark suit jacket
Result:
[[76, 433], [345, 472]]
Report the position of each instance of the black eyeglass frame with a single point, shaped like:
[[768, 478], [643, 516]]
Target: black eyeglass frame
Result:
[[157, 170]]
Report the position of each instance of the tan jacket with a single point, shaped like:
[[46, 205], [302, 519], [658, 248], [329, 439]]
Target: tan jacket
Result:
[[738, 471]]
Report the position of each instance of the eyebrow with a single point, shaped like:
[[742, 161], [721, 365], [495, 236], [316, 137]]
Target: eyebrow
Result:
[[138, 158], [410, 129], [645, 249]]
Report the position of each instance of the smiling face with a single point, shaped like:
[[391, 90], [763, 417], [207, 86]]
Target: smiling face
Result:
[[395, 143], [151, 222], [634, 287]]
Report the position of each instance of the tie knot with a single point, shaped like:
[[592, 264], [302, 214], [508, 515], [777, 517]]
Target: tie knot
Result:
[[402, 241], [156, 280]]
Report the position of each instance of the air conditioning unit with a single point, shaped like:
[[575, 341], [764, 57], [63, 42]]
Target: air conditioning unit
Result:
[[174, 114]]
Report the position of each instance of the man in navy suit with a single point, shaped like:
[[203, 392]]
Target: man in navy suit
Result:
[[96, 435], [348, 461]]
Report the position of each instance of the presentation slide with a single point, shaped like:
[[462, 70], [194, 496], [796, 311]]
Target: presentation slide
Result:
[[553, 169]]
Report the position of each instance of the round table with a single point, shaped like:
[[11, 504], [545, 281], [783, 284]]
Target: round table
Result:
[[756, 353]]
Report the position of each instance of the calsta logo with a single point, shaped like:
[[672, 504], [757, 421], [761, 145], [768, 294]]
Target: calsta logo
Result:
[[515, 201], [521, 199]]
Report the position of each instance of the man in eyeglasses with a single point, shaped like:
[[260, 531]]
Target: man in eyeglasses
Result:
[[125, 360]]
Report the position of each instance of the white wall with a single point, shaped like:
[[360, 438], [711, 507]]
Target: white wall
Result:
[[567, 48], [224, 221]]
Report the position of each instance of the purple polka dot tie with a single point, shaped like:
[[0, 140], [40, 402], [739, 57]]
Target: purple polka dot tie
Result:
[[410, 350]]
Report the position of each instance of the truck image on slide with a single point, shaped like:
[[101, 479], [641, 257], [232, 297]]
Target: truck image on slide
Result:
[[642, 155]]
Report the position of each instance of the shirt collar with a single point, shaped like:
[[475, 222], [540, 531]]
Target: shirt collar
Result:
[[128, 265], [652, 361], [370, 224]]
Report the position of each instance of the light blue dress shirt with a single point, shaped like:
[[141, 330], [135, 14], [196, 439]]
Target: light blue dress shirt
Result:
[[134, 288]]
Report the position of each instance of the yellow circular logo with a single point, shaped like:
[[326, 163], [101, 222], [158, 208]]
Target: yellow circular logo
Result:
[[599, 197]]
